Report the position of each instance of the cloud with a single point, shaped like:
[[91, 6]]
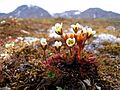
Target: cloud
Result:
[[54, 6]]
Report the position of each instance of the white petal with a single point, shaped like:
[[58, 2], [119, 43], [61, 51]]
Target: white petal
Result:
[[57, 43], [53, 28], [89, 29], [78, 25], [84, 30], [78, 32], [73, 26], [58, 25]]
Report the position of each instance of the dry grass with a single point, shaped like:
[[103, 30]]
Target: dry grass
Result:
[[34, 26]]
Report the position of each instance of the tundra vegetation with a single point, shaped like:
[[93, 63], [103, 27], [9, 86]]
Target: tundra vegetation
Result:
[[41, 62]]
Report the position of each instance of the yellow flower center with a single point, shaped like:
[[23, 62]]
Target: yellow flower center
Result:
[[70, 41]]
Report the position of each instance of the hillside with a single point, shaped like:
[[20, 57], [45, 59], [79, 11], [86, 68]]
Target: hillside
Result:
[[89, 13], [25, 11]]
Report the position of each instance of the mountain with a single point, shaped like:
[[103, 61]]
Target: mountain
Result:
[[2, 15], [25, 11], [68, 14], [98, 13], [89, 13]]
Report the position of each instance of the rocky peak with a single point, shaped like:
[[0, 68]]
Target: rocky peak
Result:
[[25, 11]]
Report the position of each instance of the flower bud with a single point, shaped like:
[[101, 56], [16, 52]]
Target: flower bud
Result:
[[43, 43], [90, 31]]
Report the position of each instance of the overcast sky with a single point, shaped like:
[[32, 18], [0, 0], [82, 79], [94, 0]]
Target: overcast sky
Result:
[[55, 6]]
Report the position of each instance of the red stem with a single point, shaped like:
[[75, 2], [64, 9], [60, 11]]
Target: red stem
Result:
[[79, 53], [44, 57], [70, 52]]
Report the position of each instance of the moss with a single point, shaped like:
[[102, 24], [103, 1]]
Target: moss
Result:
[[111, 48], [108, 70]]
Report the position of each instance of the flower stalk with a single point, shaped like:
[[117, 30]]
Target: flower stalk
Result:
[[70, 51]]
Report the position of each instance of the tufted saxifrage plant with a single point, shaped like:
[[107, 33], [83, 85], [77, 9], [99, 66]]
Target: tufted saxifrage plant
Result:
[[76, 39], [71, 46], [71, 61]]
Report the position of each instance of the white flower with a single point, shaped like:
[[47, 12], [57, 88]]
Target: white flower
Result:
[[84, 30], [43, 42], [58, 28], [57, 44], [90, 31], [76, 27], [53, 34], [70, 42]]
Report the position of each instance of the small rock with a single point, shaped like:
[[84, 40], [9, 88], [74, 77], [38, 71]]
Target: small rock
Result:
[[24, 67], [30, 39], [110, 28], [116, 89], [106, 37], [5, 88]]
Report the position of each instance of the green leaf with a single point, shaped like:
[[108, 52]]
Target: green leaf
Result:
[[51, 74]]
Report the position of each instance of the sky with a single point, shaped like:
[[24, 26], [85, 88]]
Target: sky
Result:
[[57, 6]]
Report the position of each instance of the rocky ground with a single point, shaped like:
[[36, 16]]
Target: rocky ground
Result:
[[20, 66]]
